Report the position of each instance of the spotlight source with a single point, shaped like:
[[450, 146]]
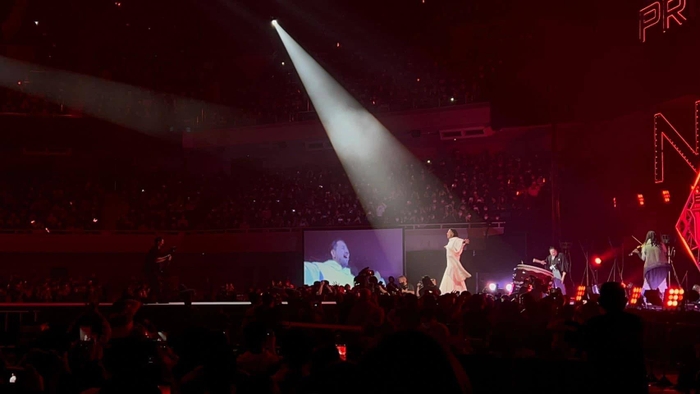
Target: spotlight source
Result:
[[492, 287], [274, 22], [598, 261]]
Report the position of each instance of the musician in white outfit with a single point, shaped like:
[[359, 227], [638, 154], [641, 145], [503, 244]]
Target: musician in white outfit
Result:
[[654, 254], [455, 274]]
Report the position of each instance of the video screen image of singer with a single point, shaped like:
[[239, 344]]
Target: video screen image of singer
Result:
[[338, 256]]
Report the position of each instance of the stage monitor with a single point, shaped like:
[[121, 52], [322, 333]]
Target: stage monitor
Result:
[[339, 255]]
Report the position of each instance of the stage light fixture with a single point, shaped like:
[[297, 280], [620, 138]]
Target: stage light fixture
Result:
[[274, 22], [509, 287], [580, 293], [597, 261], [667, 196], [673, 297], [635, 295], [640, 199], [492, 287], [694, 294]]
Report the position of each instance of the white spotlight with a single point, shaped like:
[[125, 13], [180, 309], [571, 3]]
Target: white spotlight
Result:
[[274, 22], [509, 287], [492, 287], [366, 149]]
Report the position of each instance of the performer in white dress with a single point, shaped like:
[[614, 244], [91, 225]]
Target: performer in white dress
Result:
[[455, 274]]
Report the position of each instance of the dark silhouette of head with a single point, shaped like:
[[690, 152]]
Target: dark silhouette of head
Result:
[[612, 297], [392, 366]]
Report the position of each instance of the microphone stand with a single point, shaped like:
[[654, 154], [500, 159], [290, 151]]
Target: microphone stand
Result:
[[671, 255], [588, 273], [614, 269]]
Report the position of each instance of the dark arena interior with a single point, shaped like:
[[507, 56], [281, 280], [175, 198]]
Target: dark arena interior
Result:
[[333, 196]]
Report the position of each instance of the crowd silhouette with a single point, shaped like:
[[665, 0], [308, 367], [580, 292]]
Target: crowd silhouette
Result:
[[401, 342]]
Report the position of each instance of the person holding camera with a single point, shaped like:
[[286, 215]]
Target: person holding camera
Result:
[[427, 286]]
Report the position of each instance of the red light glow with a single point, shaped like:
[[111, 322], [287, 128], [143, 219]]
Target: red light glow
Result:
[[673, 297], [636, 294], [661, 11], [686, 225], [598, 261]]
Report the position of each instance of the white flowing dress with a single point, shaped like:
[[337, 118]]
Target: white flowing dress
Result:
[[455, 274]]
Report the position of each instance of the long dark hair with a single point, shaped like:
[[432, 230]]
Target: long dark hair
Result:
[[651, 236], [454, 232]]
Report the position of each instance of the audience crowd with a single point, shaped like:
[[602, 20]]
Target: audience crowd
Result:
[[460, 189], [393, 339], [281, 96], [162, 66]]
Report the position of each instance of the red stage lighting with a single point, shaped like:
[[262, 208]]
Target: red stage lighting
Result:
[[597, 261], [667, 196], [673, 297], [580, 292], [640, 199], [635, 295]]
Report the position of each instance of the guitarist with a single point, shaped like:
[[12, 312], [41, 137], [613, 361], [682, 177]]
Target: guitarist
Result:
[[558, 264], [155, 266]]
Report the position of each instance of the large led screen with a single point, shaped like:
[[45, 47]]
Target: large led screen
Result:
[[339, 255]]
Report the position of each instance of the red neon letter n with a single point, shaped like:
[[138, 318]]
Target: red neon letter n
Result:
[[648, 17]]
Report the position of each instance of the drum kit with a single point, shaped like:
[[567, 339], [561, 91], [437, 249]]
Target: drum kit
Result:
[[525, 277]]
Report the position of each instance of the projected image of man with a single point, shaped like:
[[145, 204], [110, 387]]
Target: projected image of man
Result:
[[336, 270]]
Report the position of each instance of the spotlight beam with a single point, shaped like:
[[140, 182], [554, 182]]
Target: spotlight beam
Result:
[[370, 155], [100, 98]]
